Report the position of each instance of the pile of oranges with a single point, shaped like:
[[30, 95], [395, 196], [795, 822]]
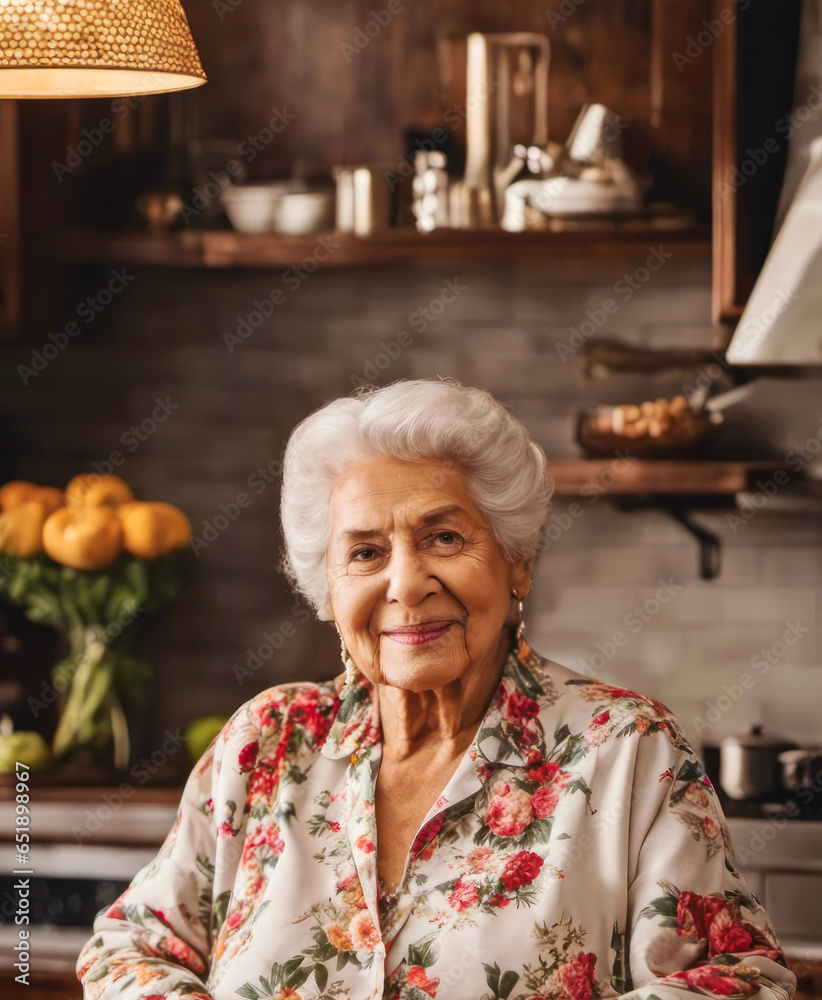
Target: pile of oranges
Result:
[[89, 524]]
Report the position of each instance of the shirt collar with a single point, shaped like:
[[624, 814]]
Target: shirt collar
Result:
[[510, 732]]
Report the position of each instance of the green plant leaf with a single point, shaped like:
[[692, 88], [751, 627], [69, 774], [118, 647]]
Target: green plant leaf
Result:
[[507, 983]]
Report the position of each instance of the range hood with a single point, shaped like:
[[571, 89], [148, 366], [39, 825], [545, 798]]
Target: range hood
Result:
[[782, 321]]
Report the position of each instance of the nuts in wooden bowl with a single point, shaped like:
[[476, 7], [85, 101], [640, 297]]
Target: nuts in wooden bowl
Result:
[[660, 428]]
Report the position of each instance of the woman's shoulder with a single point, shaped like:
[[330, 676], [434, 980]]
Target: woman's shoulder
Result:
[[603, 710], [285, 720]]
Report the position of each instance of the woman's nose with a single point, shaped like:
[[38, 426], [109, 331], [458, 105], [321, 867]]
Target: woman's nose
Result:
[[409, 578]]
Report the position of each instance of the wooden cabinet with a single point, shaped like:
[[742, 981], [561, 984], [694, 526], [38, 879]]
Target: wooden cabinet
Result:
[[9, 221], [755, 62]]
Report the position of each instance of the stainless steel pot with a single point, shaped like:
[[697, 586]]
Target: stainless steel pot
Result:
[[801, 768], [748, 765]]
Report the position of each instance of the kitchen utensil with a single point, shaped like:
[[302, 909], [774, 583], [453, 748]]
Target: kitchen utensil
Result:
[[430, 191], [596, 136], [492, 88], [363, 199], [801, 768], [608, 191], [748, 765], [159, 209]]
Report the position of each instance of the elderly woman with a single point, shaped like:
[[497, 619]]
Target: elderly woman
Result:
[[454, 817]]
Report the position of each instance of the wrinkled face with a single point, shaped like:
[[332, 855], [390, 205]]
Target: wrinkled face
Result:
[[419, 586]]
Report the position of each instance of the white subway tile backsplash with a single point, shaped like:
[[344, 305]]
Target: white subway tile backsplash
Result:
[[790, 565], [762, 604]]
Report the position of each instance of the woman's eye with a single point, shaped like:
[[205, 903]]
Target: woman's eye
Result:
[[447, 540], [364, 555]]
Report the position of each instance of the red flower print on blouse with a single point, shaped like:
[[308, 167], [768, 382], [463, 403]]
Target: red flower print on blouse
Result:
[[497, 899], [727, 933], [416, 977], [545, 773], [464, 896], [177, 949], [710, 826], [719, 920], [263, 783], [718, 980], [365, 844], [248, 756], [305, 712], [521, 870], [600, 691], [479, 860], [577, 976], [509, 811], [426, 840], [364, 935], [115, 911], [549, 773], [544, 801], [521, 707]]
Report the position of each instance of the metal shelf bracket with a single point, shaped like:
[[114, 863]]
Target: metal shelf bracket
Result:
[[710, 550]]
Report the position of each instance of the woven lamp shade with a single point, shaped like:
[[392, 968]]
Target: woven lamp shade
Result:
[[95, 48]]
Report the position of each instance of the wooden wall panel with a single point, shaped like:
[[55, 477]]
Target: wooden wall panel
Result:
[[9, 221]]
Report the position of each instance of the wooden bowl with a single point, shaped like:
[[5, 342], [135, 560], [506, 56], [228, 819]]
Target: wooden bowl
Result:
[[687, 438]]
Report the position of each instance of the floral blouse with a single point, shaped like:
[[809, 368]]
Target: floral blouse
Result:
[[578, 852]]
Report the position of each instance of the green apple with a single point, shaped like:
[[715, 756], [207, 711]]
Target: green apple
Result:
[[200, 732], [25, 747]]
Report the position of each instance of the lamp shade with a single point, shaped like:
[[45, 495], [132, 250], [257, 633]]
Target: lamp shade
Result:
[[95, 48], [782, 321]]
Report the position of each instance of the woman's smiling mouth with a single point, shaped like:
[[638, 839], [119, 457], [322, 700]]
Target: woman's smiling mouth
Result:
[[416, 635]]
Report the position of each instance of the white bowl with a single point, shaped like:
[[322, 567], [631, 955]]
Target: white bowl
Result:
[[278, 207], [302, 212], [250, 207]]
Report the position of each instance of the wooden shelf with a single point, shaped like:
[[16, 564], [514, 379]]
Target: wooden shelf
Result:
[[226, 248], [627, 477]]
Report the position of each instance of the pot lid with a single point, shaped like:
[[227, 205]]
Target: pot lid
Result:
[[757, 737]]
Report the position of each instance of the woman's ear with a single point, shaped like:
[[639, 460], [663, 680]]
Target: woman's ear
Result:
[[521, 577]]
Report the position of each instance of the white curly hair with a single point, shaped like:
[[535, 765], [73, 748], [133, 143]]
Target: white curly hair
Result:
[[420, 420]]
